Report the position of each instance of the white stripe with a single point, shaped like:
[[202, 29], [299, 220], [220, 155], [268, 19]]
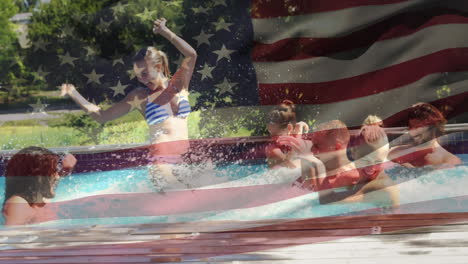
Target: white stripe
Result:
[[337, 23], [384, 104], [388, 103], [379, 56]]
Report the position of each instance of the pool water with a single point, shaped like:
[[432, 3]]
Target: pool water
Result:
[[416, 186]]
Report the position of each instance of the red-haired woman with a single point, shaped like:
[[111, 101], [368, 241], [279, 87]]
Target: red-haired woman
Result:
[[282, 122], [426, 124], [32, 175]]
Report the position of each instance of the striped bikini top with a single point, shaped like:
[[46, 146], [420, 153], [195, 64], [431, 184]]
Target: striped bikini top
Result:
[[156, 114]]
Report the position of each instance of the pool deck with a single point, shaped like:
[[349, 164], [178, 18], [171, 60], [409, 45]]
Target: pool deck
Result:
[[398, 238]]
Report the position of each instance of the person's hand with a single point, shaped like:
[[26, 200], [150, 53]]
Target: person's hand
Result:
[[372, 133], [298, 145], [159, 26], [68, 163], [299, 129], [66, 89]]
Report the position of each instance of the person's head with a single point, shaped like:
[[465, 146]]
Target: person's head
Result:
[[370, 148], [33, 174], [373, 120], [151, 67], [328, 138], [425, 123], [282, 119]]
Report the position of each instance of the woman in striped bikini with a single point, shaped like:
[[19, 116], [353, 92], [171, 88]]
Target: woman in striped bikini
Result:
[[163, 101]]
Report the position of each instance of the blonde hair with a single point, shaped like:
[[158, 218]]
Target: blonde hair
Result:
[[372, 120], [154, 56]]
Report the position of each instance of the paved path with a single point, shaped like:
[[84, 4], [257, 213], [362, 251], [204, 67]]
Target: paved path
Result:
[[29, 116]]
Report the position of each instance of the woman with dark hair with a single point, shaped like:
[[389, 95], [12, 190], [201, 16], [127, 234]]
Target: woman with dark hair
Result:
[[31, 177], [282, 122], [425, 125], [163, 101]]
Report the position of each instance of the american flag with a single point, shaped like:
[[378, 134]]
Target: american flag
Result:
[[348, 59], [337, 59]]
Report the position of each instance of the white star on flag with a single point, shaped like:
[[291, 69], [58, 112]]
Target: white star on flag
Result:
[[103, 25], [225, 86], [118, 8], [221, 24], [66, 31], [203, 38], [78, 16], [146, 15], [38, 107], [90, 51], [119, 89], [136, 103], [223, 53], [14, 61], [67, 59], [206, 72], [199, 10], [41, 73], [179, 61], [131, 74], [117, 61], [93, 77], [40, 44]]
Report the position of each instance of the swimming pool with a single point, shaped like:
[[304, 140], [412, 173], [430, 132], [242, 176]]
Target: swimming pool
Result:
[[235, 192]]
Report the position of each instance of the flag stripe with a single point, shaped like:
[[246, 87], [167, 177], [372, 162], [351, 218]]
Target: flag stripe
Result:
[[391, 106], [312, 231], [372, 83], [337, 23], [456, 107], [354, 63], [283, 8], [204, 202], [398, 26]]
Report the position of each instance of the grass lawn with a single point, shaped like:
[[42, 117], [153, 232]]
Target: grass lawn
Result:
[[126, 130]]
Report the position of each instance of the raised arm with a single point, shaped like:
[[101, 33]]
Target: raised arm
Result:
[[134, 99], [184, 73]]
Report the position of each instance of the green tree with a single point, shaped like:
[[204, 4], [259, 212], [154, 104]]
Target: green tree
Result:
[[8, 40], [73, 38]]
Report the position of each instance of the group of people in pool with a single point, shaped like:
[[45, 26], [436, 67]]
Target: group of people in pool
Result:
[[342, 167], [339, 167]]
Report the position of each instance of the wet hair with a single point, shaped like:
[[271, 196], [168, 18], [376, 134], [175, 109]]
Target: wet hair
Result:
[[283, 114], [427, 115], [154, 56], [335, 131], [29, 174]]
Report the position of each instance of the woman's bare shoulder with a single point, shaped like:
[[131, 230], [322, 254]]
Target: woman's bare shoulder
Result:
[[16, 199]]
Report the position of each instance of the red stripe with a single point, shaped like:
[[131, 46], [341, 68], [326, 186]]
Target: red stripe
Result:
[[173, 202], [282, 8], [398, 26], [267, 236], [450, 60], [451, 107], [169, 203]]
